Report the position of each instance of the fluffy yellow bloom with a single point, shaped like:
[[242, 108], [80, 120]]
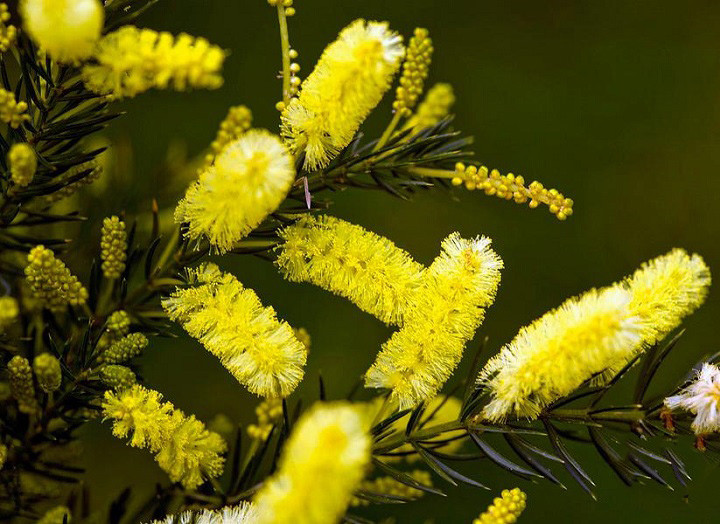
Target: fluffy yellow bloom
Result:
[[48, 372], [259, 350], [21, 384], [505, 509], [9, 311], [23, 163], [347, 83], [558, 352], [236, 124], [248, 181], [446, 311], [243, 513], [348, 260], [186, 450], [67, 29], [130, 61], [12, 112], [51, 281], [113, 247], [666, 289], [436, 106], [323, 462]]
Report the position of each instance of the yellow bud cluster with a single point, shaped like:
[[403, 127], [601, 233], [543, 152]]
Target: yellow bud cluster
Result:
[[8, 32], [21, 384], [124, 349], [236, 123], [511, 187], [51, 281], [48, 372], [117, 377], [394, 488], [268, 412], [113, 247], [130, 61], [12, 112], [505, 509], [3, 455], [415, 71], [95, 170], [22, 162], [9, 311], [436, 106], [57, 515], [118, 323]]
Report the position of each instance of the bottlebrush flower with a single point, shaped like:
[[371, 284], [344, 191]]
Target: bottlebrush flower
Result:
[[445, 312], [323, 462], [248, 181], [347, 83], [244, 513], [348, 260], [702, 398], [259, 350]]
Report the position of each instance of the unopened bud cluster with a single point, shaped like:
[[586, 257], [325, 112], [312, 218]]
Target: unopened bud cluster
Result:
[[124, 349], [8, 32], [9, 311], [23, 163], [21, 384], [287, 4], [235, 124], [268, 412], [113, 247], [48, 372], [505, 509], [118, 323], [117, 377], [12, 112], [51, 281], [415, 71]]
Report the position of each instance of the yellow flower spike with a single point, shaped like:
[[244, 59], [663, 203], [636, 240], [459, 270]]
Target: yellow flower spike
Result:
[[9, 311], [57, 515], [268, 412], [21, 384], [415, 70], [236, 124], [186, 450], [505, 509], [48, 372], [321, 465], [348, 260], [436, 106], [257, 348], [113, 247], [22, 162], [67, 29], [248, 181], [12, 112], [446, 311], [130, 61], [124, 349], [117, 377], [51, 281], [347, 83], [8, 32]]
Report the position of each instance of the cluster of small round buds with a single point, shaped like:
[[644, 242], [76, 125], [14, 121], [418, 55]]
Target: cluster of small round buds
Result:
[[268, 412], [512, 187], [9, 311], [3, 455], [394, 488], [51, 281], [124, 349], [118, 323], [8, 32], [117, 377], [12, 112], [48, 372], [295, 80], [21, 384], [415, 71], [287, 4], [235, 125], [113, 247], [505, 509], [23, 163]]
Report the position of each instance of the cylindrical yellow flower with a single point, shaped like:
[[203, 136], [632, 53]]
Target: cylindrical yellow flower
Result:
[[323, 462], [21, 384], [67, 29], [368, 269], [48, 372], [113, 247], [51, 281], [446, 311], [347, 83], [415, 71], [259, 350], [248, 181], [129, 61], [124, 349], [505, 509], [23, 163], [9, 311]]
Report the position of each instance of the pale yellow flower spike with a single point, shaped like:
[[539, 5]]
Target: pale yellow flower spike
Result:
[[67, 29], [236, 124], [186, 450], [130, 61], [23, 163], [415, 71], [248, 181], [8, 32], [436, 105], [51, 281], [12, 112], [259, 350], [322, 464], [446, 311], [347, 83], [505, 509], [368, 269]]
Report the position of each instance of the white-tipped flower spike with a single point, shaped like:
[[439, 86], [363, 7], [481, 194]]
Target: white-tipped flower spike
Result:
[[702, 398]]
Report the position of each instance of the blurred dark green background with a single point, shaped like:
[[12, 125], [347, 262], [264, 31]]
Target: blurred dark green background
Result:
[[615, 103]]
